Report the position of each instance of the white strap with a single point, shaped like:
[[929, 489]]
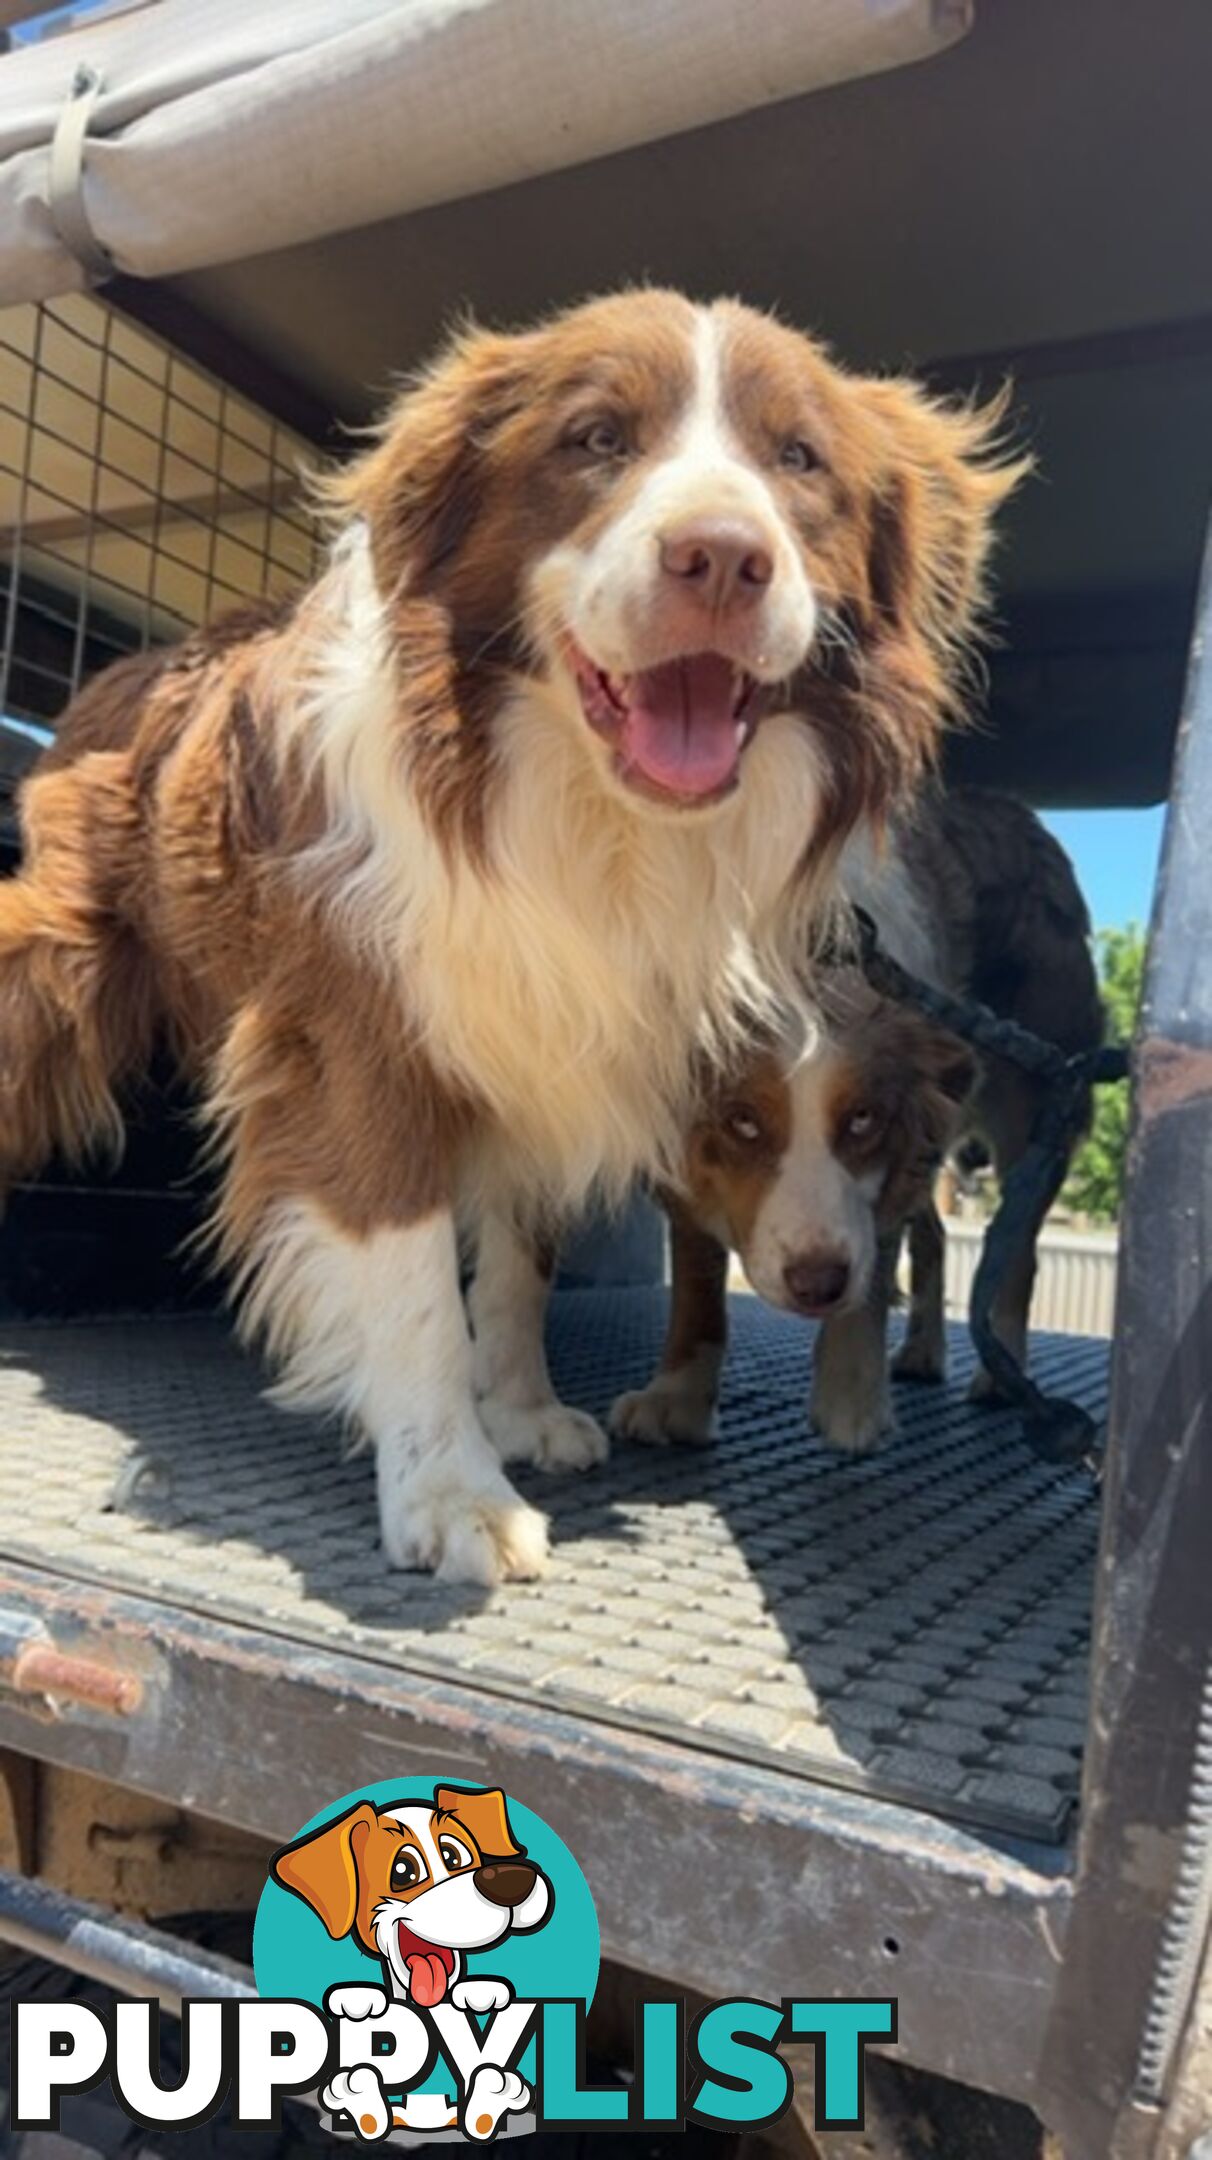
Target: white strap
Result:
[[66, 196]]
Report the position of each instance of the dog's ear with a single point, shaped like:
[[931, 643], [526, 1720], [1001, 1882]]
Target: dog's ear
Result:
[[322, 1868], [483, 1813], [948, 1071], [951, 1065], [946, 471], [939, 474], [925, 479], [417, 487]]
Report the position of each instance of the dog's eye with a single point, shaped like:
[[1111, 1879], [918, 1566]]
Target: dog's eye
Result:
[[454, 1855], [740, 1123], [600, 439], [797, 456], [407, 1869], [861, 1124]]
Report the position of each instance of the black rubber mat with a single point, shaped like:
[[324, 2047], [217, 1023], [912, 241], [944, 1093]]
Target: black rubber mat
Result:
[[913, 1623]]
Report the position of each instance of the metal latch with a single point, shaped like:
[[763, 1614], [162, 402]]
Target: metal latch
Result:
[[31, 1664]]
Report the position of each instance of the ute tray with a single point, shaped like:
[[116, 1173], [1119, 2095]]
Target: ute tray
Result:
[[913, 1624]]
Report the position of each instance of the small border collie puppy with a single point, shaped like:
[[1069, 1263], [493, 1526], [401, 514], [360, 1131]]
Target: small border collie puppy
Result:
[[811, 1163], [444, 878]]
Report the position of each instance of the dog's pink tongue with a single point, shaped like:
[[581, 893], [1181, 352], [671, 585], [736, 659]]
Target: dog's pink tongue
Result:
[[426, 1978], [680, 731]]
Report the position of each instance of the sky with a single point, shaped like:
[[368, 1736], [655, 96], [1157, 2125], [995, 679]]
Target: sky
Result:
[[36, 27], [1114, 853]]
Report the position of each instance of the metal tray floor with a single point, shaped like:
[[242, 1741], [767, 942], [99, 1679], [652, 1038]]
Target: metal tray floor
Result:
[[914, 1623]]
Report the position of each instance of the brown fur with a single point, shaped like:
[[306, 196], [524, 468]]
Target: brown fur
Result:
[[1013, 932], [896, 522], [910, 1076], [889, 1062], [895, 526], [159, 834], [907, 1080], [698, 1312], [190, 860], [150, 829], [729, 1177]]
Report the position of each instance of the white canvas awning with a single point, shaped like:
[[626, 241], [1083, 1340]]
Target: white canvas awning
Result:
[[224, 128]]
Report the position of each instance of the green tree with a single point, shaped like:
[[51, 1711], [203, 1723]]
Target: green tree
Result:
[[1095, 1184]]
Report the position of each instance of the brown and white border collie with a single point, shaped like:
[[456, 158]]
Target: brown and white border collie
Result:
[[811, 1162], [444, 878]]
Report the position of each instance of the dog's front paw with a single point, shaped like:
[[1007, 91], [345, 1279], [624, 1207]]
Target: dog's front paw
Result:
[[553, 1435], [673, 1407], [851, 1405], [359, 2093], [920, 1358], [481, 1995], [493, 2093], [851, 1416], [351, 2000], [465, 1535]]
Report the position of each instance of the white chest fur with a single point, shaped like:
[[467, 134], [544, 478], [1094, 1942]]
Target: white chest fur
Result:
[[566, 982]]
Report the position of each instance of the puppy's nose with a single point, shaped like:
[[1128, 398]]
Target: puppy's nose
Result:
[[723, 562], [505, 1882], [816, 1281]]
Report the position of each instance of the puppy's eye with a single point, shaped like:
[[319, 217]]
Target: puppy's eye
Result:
[[454, 1855], [861, 1124], [602, 440], [797, 456], [740, 1123], [407, 1869]]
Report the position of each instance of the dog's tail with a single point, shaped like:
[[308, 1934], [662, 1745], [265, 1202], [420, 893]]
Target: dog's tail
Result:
[[75, 991]]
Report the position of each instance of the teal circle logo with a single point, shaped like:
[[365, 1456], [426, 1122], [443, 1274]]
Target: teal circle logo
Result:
[[440, 1897]]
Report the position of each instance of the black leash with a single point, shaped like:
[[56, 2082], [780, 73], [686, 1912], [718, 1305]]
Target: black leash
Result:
[[1059, 1432]]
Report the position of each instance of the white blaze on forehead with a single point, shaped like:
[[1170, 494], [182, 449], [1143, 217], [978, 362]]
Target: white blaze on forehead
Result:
[[814, 1203], [613, 594], [705, 466], [419, 1822], [704, 431]]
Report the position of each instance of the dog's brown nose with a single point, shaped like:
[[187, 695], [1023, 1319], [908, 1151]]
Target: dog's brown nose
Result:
[[505, 1882], [724, 562], [816, 1282]]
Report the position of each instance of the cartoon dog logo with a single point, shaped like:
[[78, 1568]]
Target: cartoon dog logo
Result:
[[420, 1887]]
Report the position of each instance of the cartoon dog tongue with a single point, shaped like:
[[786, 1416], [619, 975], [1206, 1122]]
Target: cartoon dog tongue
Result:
[[430, 1966]]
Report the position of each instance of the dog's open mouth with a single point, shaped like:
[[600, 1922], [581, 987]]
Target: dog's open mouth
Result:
[[430, 1966], [677, 730]]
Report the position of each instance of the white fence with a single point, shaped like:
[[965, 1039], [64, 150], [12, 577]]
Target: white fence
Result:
[[1074, 1284]]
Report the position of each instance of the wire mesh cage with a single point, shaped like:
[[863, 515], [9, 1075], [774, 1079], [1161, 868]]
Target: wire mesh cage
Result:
[[139, 496]]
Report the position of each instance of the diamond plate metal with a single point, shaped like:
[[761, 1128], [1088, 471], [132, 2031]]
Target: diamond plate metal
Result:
[[914, 1623]]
